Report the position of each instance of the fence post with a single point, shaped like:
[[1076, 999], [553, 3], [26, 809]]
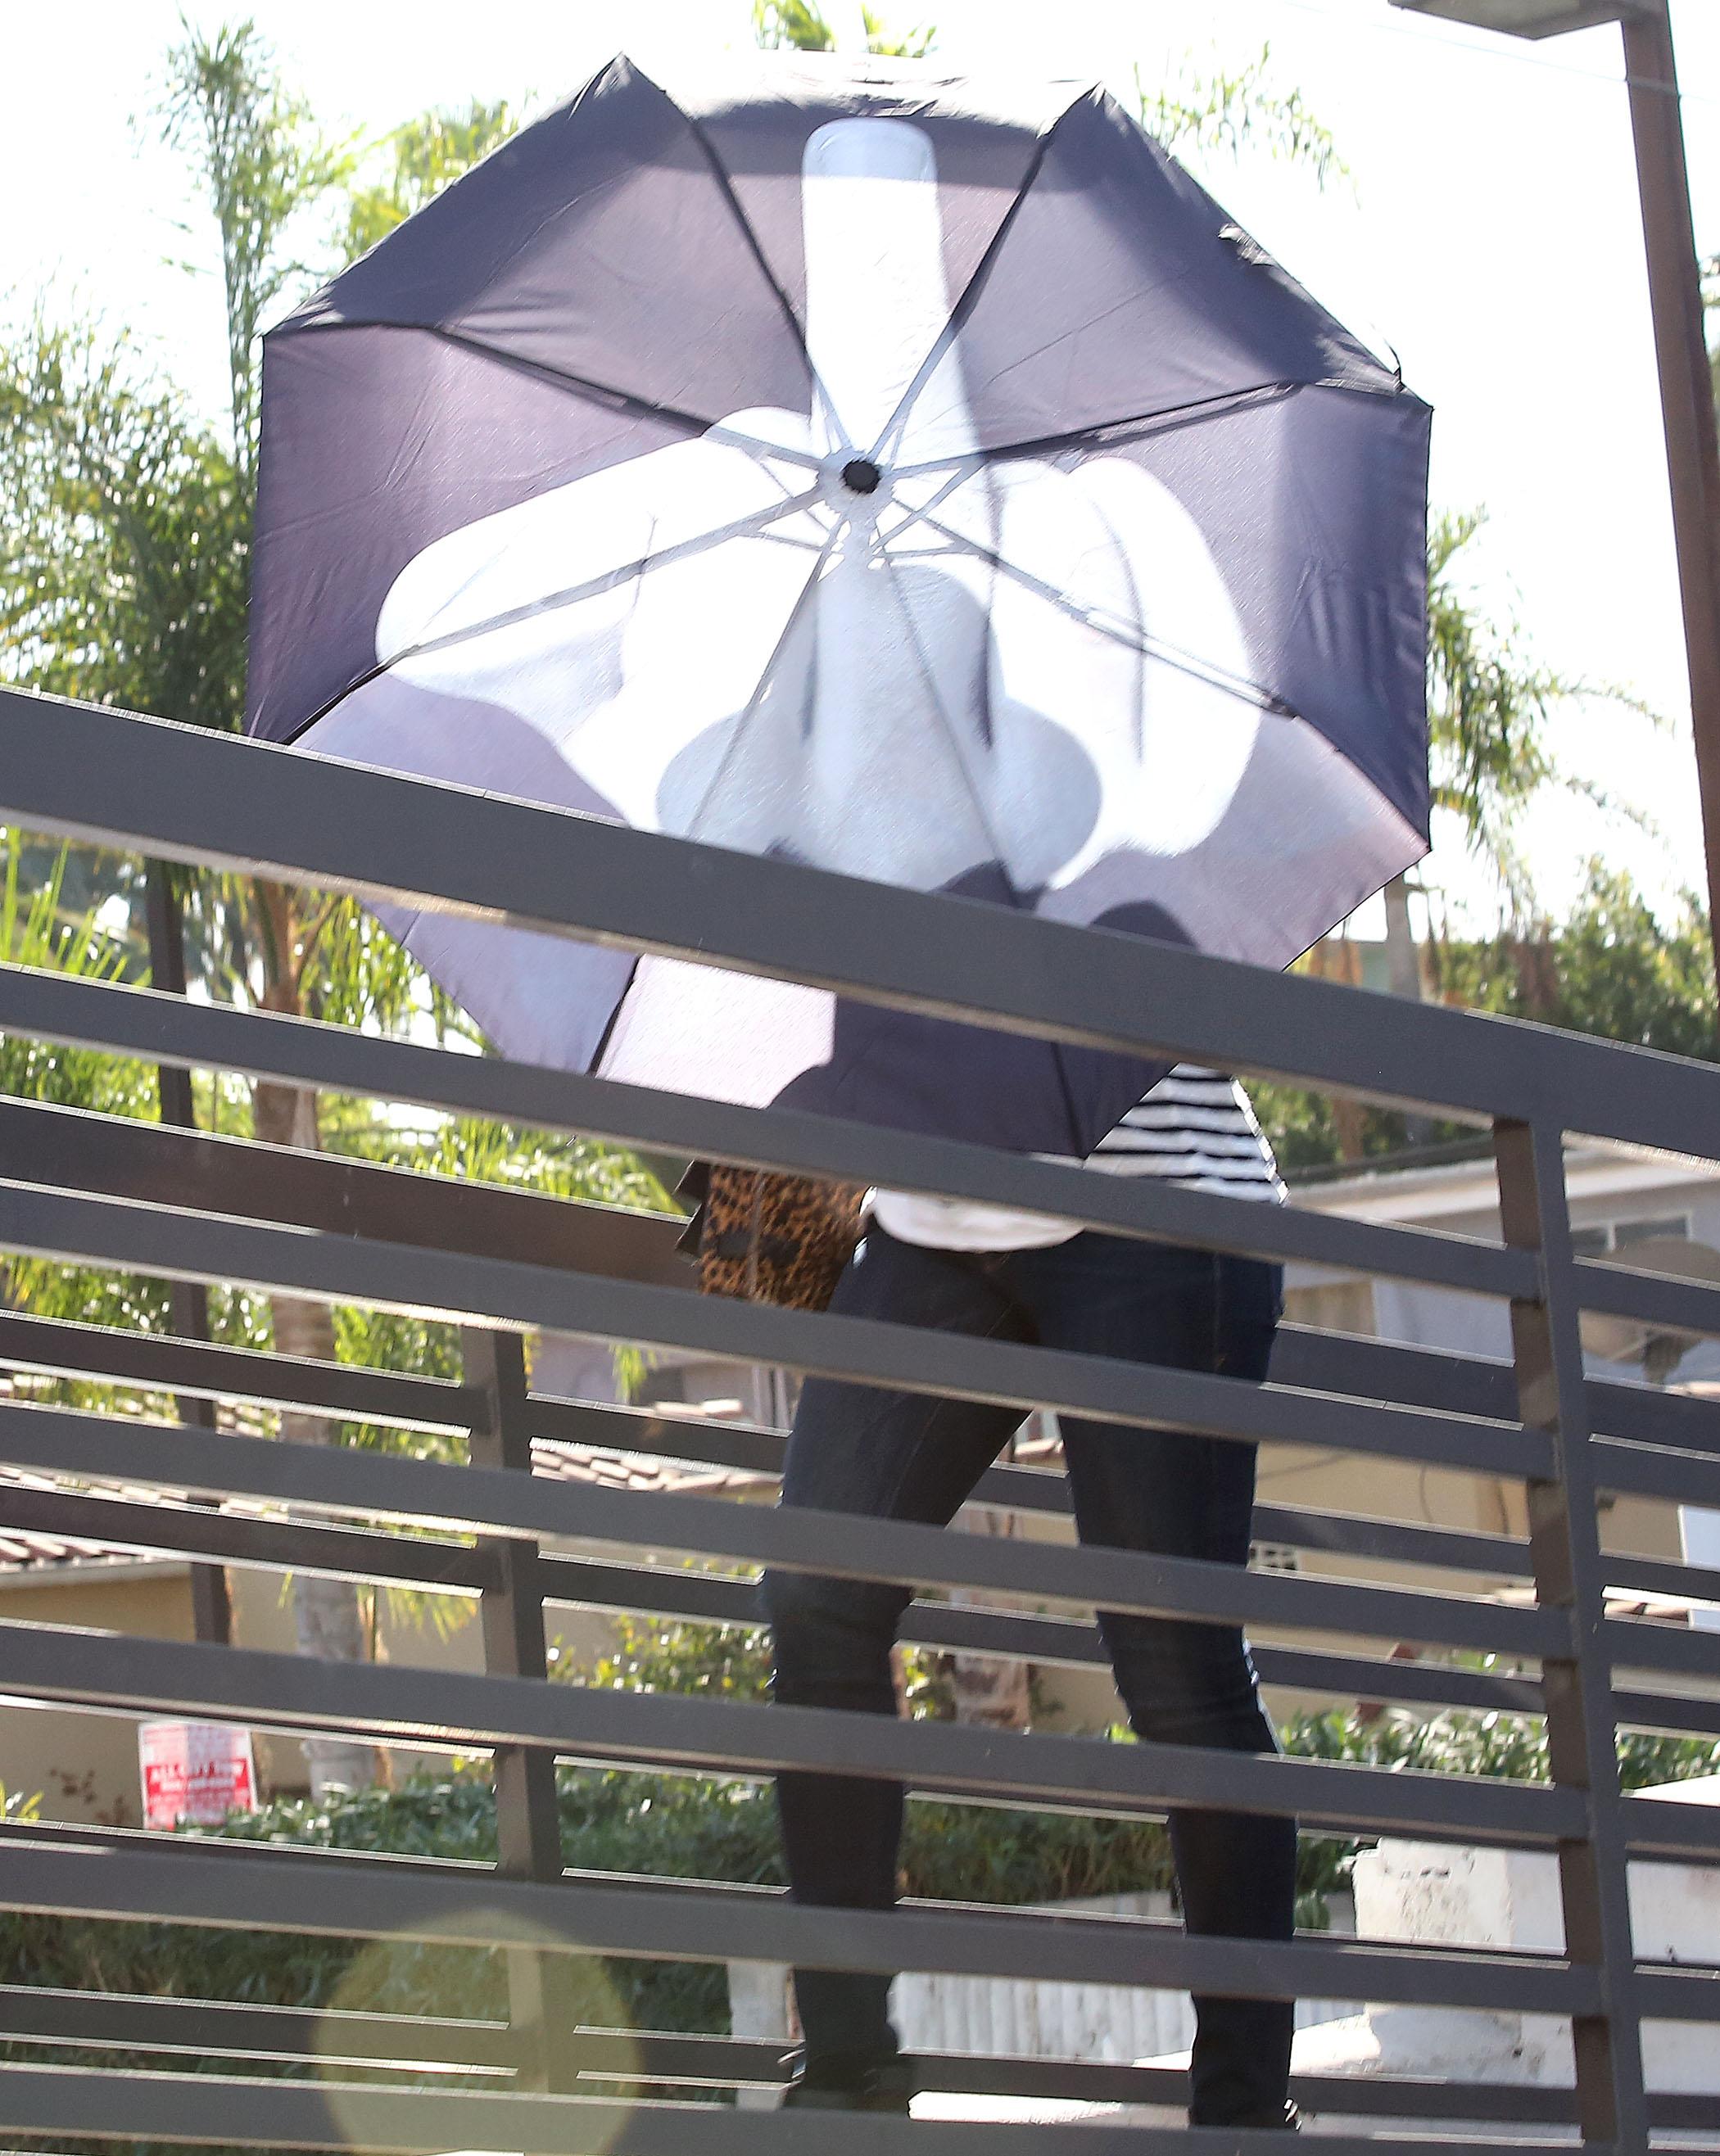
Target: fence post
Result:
[[1564, 1545], [541, 1989], [187, 1301]]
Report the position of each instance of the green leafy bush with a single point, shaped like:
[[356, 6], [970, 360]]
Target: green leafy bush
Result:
[[613, 1822], [1511, 1746]]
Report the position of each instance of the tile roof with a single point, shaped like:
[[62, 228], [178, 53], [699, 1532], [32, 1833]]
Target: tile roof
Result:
[[27, 1549]]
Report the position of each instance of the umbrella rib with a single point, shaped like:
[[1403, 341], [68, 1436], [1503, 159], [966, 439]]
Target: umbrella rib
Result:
[[1133, 639], [726, 187], [968, 297], [1137, 427], [602, 392], [959, 475], [759, 525], [767, 674]]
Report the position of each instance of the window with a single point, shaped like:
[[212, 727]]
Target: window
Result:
[[1676, 1227], [1612, 1236], [1273, 1557]]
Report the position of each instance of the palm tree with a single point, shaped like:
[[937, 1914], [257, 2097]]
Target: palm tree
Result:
[[124, 535]]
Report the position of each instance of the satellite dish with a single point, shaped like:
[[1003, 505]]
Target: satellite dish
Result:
[[1658, 1348]]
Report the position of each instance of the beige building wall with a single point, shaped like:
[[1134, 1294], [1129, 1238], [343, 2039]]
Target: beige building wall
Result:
[[83, 1765]]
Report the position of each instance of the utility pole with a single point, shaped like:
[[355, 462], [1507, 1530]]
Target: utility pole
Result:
[[1686, 393], [1681, 348]]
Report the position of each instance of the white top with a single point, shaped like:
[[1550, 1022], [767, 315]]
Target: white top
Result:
[[1195, 1128]]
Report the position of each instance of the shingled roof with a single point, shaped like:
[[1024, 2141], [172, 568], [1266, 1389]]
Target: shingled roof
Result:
[[27, 1549]]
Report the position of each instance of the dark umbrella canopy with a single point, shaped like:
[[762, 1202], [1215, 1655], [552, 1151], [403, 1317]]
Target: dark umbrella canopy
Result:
[[919, 478]]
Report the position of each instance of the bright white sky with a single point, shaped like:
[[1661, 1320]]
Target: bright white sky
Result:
[[1492, 235]]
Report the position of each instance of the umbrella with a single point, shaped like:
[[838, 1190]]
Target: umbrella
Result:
[[916, 477]]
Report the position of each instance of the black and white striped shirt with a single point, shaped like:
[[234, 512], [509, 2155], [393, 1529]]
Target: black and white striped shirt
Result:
[[1196, 1128]]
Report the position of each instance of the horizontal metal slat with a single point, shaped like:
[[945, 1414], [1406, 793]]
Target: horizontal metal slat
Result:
[[270, 1544], [304, 2115], [1678, 1304], [1663, 1829], [261, 1044], [160, 1363], [185, 793], [1654, 1575], [37, 2013], [964, 1629], [1684, 1993], [335, 2036], [65, 1441], [471, 1905], [55, 1225], [1476, 1385], [722, 1444], [392, 1702], [1675, 1713], [1642, 1471], [200, 1172], [1633, 1643]]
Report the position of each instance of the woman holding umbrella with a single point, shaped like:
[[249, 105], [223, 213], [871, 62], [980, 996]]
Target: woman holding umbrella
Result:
[[925, 480]]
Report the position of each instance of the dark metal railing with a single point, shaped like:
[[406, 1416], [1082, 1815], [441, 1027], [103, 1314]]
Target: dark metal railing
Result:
[[175, 1202]]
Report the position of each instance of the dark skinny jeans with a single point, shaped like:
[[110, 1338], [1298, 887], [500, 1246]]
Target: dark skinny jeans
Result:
[[896, 1456]]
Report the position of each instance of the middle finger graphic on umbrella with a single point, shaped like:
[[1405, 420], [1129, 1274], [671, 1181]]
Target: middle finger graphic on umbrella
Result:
[[844, 636]]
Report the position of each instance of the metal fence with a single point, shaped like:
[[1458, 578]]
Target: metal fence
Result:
[[197, 1209]]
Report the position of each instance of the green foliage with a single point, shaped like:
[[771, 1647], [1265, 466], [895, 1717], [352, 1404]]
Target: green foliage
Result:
[[1613, 968], [1230, 110], [1509, 1746], [424, 155], [729, 1661], [261, 164], [1298, 1125], [473, 1151], [124, 533], [124, 537], [615, 1822], [1619, 973], [34, 932], [733, 1662], [1488, 707], [800, 24]]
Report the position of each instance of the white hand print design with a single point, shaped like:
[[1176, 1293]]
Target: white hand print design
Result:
[[845, 635]]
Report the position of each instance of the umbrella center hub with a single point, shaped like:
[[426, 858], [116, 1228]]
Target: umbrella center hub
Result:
[[860, 476]]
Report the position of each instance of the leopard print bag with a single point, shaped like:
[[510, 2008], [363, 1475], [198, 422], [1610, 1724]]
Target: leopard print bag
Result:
[[763, 1238]]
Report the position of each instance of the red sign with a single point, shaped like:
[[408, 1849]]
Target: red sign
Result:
[[196, 1772]]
